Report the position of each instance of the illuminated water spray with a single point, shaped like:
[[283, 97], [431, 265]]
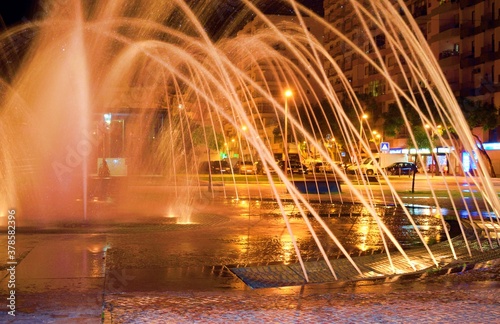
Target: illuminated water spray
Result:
[[175, 99]]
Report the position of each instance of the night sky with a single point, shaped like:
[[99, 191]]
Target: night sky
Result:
[[13, 12]]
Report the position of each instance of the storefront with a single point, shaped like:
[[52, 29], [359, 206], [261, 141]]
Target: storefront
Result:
[[437, 160]]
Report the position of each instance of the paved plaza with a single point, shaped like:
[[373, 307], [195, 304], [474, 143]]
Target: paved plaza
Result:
[[143, 268]]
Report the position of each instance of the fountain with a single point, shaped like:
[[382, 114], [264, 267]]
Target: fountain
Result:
[[142, 85]]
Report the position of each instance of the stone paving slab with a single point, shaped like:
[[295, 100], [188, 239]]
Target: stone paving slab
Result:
[[398, 304]]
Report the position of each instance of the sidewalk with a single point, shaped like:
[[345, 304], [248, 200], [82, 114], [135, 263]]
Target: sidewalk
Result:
[[151, 270]]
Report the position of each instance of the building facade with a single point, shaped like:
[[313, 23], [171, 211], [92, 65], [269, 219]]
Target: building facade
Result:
[[276, 79], [463, 35]]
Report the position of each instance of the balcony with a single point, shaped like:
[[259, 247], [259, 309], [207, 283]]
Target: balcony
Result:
[[448, 26], [337, 50], [448, 35], [263, 108], [469, 90], [346, 65], [448, 53], [487, 22], [467, 3], [468, 29], [445, 8], [467, 59], [449, 58], [488, 87], [419, 11]]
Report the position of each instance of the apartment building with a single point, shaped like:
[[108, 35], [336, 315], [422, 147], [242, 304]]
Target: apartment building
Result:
[[272, 76], [463, 35]]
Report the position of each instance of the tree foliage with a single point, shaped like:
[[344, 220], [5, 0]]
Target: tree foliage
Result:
[[207, 136], [393, 118], [479, 113], [421, 138], [319, 119]]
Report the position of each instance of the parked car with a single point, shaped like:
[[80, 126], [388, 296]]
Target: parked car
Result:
[[246, 167], [371, 164], [322, 167], [215, 167], [294, 167], [261, 169], [400, 168], [325, 167]]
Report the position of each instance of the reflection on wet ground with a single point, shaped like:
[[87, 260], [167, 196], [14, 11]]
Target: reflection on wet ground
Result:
[[262, 235], [124, 257], [159, 252]]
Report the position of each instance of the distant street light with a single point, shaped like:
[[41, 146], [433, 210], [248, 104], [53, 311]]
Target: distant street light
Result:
[[288, 93], [107, 136], [377, 139], [240, 144], [364, 116]]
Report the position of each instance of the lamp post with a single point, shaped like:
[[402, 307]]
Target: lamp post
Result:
[[240, 143], [364, 116], [288, 93], [106, 143], [377, 139]]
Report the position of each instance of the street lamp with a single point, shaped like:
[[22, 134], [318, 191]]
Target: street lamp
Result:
[[288, 93], [377, 139], [364, 116], [107, 124], [240, 143]]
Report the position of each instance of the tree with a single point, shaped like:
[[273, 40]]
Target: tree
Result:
[[206, 136], [393, 118], [480, 114]]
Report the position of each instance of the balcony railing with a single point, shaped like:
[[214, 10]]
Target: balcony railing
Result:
[[487, 22], [448, 53], [448, 26], [468, 29], [419, 11], [467, 59], [488, 54], [445, 7], [468, 3]]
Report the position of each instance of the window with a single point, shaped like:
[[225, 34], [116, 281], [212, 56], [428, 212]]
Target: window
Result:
[[390, 61], [375, 88], [380, 41]]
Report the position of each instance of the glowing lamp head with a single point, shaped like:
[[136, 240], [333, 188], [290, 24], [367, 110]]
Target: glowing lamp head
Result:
[[288, 93], [107, 119]]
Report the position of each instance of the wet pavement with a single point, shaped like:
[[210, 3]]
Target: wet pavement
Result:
[[150, 269]]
